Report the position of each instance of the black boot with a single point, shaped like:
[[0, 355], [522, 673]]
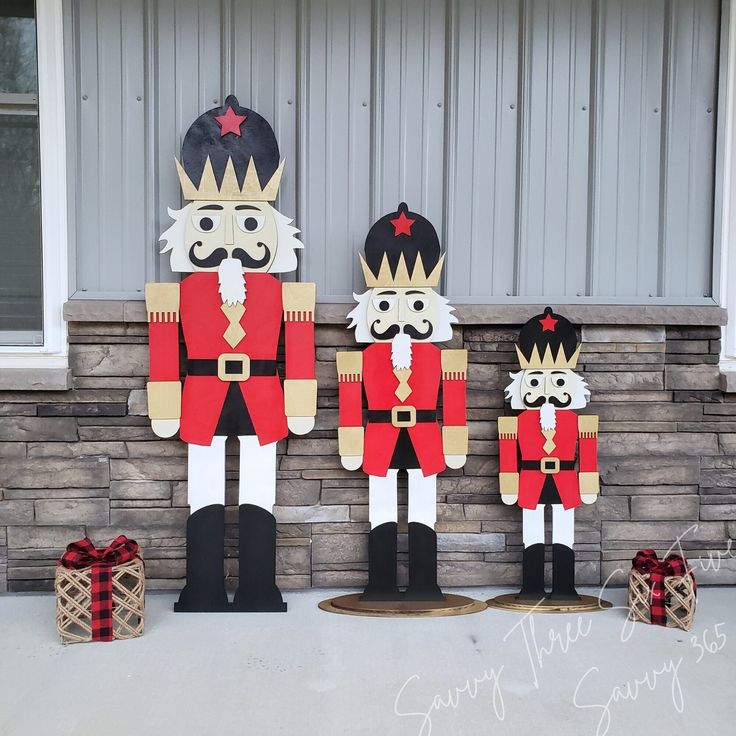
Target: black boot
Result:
[[532, 574], [423, 564], [382, 564], [205, 587], [563, 574], [257, 590]]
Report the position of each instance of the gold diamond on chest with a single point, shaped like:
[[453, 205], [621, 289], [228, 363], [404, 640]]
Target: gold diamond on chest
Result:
[[235, 332], [403, 390]]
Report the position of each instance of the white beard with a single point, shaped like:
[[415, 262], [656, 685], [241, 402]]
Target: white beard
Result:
[[401, 351], [547, 416], [232, 281]]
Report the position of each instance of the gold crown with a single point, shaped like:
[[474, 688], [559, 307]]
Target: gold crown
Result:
[[402, 278], [229, 189], [549, 361]]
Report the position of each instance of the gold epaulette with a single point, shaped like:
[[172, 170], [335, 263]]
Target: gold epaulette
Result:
[[508, 428], [162, 302], [349, 366], [299, 300], [454, 365], [587, 426]]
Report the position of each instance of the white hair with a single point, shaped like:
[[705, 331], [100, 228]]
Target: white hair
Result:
[[283, 262], [577, 388], [442, 331]]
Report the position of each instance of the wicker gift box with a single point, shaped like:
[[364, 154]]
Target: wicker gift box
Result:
[[650, 583], [122, 593]]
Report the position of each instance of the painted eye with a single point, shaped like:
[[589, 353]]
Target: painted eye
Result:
[[559, 382], [383, 304], [534, 382], [206, 223], [250, 223], [417, 305]]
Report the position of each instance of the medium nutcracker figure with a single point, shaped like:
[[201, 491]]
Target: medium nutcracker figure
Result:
[[540, 447], [231, 240], [403, 316]]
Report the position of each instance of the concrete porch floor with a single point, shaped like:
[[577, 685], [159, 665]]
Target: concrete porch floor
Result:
[[310, 672]]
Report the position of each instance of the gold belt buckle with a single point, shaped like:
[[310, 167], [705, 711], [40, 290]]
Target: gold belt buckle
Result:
[[233, 367], [549, 465], [405, 422]]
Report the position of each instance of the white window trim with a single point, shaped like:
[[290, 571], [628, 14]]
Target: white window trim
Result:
[[52, 357]]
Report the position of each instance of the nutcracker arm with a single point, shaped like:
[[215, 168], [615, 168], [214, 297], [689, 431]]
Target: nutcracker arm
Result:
[[454, 419], [350, 395], [588, 476], [300, 386], [164, 386], [508, 477]]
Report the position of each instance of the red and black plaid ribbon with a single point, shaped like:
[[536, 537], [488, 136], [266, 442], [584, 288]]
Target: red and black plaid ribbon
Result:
[[83, 554], [647, 562]]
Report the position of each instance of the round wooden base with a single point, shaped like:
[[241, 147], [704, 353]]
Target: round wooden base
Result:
[[353, 605], [510, 602]]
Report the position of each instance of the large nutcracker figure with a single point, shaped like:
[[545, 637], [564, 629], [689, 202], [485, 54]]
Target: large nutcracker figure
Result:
[[548, 453], [402, 315], [231, 240]]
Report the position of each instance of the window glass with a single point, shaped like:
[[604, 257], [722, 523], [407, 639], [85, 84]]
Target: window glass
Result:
[[21, 291]]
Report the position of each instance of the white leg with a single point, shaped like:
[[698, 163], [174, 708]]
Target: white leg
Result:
[[206, 474], [563, 525], [422, 498], [533, 526], [383, 505], [257, 477]]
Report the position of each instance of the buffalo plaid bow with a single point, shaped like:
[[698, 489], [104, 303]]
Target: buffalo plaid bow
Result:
[[647, 562], [83, 554]]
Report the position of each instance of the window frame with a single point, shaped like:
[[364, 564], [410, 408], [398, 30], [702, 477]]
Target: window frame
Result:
[[51, 358]]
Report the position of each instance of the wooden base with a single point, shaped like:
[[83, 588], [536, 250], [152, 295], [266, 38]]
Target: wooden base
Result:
[[510, 602], [353, 605]]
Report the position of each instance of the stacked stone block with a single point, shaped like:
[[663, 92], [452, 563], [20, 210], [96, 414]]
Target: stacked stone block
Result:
[[85, 461]]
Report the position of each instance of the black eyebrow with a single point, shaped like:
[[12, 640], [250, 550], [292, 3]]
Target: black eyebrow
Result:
[[210, 207], [386, 293], [535, 373], [415, 292], [558, 371], [247, 207]]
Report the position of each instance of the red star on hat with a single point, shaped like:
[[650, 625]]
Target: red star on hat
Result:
[[230, 122], [548, 323], [402, 225]]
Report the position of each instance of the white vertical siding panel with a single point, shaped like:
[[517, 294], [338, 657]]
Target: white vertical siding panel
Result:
[[481, 153], [687, 205], [410, 107], [555, 145], [628, 115], [334, 141]]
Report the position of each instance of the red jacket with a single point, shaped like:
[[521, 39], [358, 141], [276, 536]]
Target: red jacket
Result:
[[527, 443], [380, 382], [204, 324]]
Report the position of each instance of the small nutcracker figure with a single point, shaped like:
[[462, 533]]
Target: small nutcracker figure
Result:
[[231, 240], [548, 453], [402, 315]]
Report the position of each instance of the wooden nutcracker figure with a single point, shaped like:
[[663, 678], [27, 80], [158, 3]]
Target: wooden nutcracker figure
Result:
[[230, 241], [548, 453], [401, 372]]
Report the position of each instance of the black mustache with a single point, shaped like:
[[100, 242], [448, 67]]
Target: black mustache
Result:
[[551, 399], [394, 330], [220, 254]]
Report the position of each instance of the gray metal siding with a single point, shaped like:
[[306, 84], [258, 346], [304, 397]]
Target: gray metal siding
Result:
[[562, 148]]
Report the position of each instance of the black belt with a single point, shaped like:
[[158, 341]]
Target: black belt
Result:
[[537, 465], [381, 415], [208, 367]]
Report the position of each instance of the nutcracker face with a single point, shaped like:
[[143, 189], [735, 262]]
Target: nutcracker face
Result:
[[246, 231], [560, 388], [394, 310]]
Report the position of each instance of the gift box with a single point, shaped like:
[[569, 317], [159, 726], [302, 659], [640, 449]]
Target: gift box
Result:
[[662, 592], [100, 594]]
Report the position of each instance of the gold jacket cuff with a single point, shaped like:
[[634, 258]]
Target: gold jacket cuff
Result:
[[589, 483], [164, 399], [508, 483], [350, 441], [455, 440], [300, 397]]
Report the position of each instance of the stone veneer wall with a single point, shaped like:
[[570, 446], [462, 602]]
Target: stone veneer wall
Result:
[[84, 461]]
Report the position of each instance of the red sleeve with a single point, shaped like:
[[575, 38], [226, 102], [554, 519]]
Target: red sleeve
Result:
[[299, 348], [507, 456], [453, 402], [351, 402], [163, 354], [588, 454]]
